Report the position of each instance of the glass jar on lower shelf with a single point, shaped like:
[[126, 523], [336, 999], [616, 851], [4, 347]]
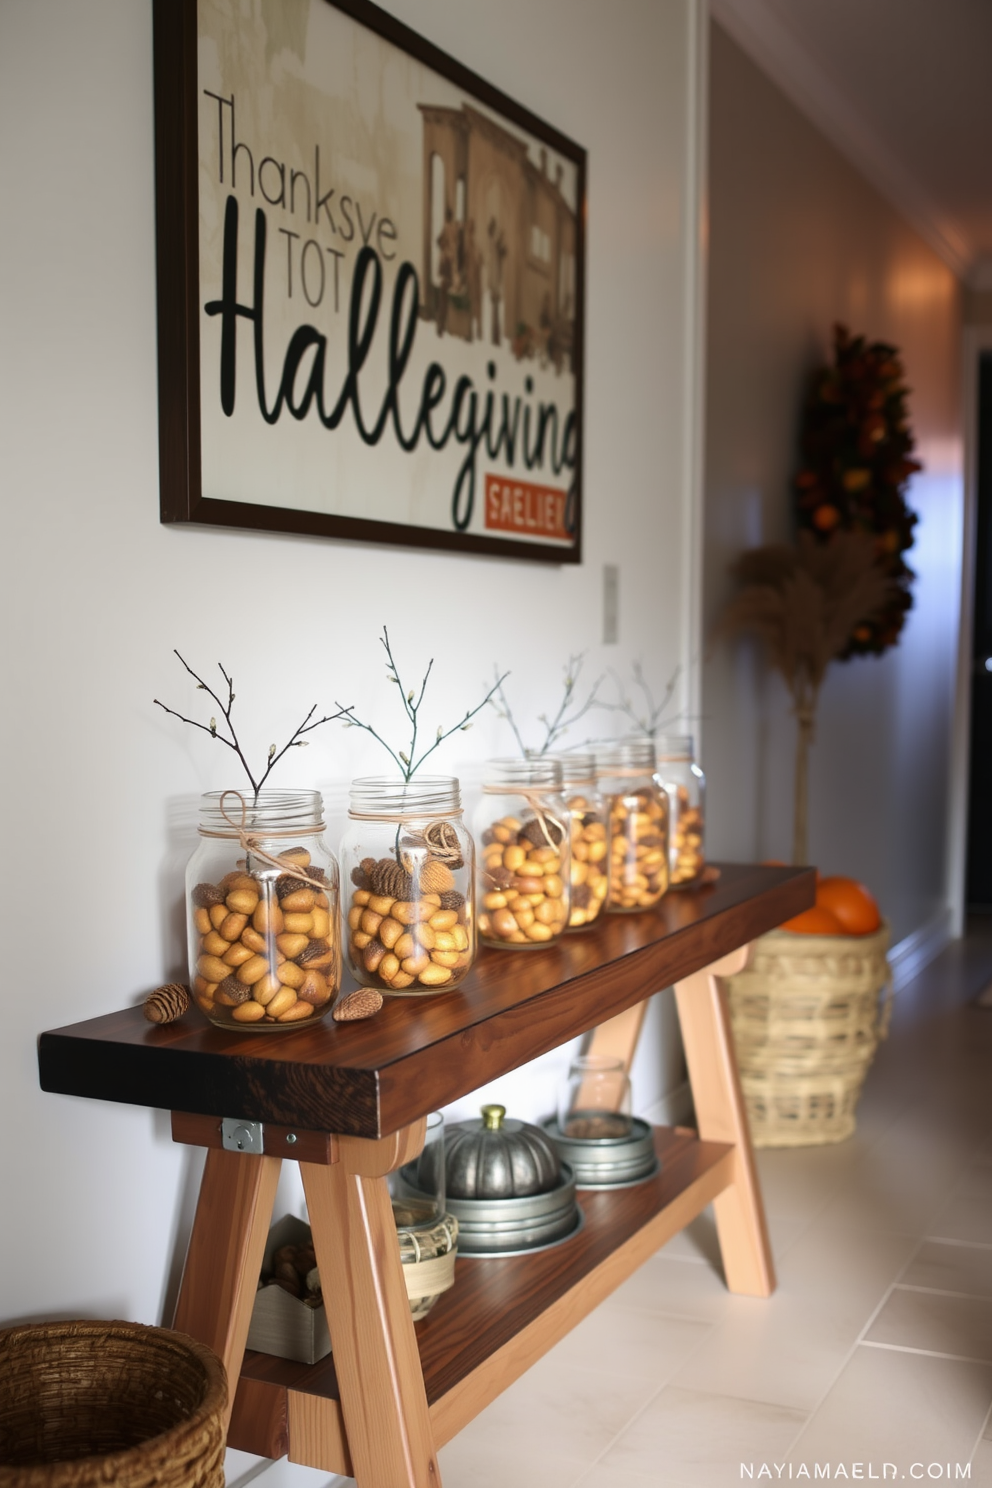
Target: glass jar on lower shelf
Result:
[[685, 785], [587, 835], [262, 891], [522, 827], [637, 825], [409, 867]]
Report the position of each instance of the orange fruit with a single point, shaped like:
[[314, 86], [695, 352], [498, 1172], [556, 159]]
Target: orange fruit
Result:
[[851, 902], [815, 921], [826, 517]]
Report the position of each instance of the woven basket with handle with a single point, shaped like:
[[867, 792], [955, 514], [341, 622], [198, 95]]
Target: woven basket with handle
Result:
[[807, 1016], [87, 1403]]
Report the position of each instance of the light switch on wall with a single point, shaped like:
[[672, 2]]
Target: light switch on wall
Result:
[[611, 604]]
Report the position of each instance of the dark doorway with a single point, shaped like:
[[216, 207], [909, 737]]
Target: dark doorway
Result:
[[979, 871]]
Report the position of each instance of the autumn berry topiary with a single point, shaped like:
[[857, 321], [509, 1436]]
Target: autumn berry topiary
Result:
[[856, 445]]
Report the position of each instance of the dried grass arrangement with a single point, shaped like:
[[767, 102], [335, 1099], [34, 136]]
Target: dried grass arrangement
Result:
[[804, 602]]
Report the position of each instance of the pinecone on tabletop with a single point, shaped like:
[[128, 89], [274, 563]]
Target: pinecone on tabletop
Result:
[[167, 1003]]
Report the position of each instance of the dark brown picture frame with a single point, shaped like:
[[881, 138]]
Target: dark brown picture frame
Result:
[[179, 297]]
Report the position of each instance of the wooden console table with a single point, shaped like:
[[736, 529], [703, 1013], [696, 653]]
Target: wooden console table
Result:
[[349, 1102]]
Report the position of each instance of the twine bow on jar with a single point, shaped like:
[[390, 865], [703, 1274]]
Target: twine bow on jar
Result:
[[439, 840], [533, 800], [251, 841]]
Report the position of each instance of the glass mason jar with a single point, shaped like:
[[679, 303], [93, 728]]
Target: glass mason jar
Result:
[[685, 785], [588, 838], [523, 829], [409, 864], [637, 825], [595, 1101], [262, 892], [427, 1204]]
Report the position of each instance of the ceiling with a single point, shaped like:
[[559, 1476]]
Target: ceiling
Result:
[[903, 88]]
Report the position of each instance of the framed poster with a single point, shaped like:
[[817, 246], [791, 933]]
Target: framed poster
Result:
[[370, 286]]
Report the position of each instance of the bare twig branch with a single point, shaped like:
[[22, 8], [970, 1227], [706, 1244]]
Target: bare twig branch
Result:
[[653, 718], [295, 741], [556, 727], [406, 760]]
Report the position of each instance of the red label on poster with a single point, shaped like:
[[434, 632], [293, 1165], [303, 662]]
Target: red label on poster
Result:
[[518, 506]]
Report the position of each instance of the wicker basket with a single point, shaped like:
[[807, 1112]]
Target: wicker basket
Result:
[[807, 1016], [88, 1403]]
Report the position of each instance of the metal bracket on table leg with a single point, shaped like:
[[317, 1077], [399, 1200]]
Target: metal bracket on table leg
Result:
[[241, 1136]]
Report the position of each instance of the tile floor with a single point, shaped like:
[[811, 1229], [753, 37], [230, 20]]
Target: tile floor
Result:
[[876, 1349]]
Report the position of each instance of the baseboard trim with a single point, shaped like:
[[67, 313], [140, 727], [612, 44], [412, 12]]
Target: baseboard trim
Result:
[[915, 951]]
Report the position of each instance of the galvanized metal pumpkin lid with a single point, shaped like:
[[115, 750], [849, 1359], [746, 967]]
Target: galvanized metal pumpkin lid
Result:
[[493, 1158]]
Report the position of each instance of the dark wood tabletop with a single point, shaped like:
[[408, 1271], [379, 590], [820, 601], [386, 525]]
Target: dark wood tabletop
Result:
[[370, 1078]]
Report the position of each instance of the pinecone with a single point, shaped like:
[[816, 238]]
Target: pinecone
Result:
[[236, 991], [542, 831], [390, 880], [167, 1003], [288, 883], [205, 895], [312, 952], [451, 899], [435, 877], [364, 1002], [361, 879]]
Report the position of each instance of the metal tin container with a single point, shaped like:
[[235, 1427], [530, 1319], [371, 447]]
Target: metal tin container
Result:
[[497, 1227], [608, 1162]]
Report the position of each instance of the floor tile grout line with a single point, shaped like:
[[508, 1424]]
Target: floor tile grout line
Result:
[[854, 1347], [912, 1286], [965, 1244], [637, 1414], [618, 1434], [908, 1348], [981, 1434]]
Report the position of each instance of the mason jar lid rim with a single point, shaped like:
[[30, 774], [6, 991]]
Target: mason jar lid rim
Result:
[[577, 767], [542, 769], [633, 751], [675, 747], [271, 811], [384, 795]]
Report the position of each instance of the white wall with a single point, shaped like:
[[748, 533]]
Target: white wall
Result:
[[99, 784], [799, 240]]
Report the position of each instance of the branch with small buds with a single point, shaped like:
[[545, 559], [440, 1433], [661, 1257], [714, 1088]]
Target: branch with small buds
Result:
[[230, 738], [563, 720], [648, 717], [406, 760]]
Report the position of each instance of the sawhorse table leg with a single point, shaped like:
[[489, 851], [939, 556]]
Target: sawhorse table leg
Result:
[[224, 1259], [389, 1442], [720, 1113], [721, 1117], [380, 1380]]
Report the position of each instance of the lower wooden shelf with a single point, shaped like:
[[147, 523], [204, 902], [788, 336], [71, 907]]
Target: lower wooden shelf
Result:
[[500, 1316]]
